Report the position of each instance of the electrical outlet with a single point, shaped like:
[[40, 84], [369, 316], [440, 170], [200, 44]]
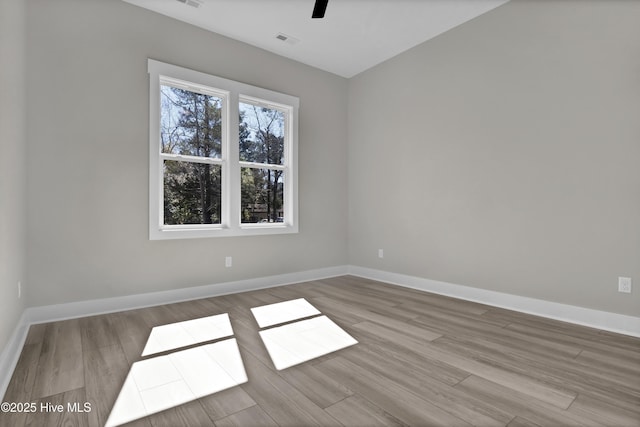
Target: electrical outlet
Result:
[[228, 261], [380, 253], [624, 284]]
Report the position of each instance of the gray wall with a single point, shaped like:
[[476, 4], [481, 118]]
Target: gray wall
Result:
[[12, 164], [501, 155], [504, 155], [88, 156]]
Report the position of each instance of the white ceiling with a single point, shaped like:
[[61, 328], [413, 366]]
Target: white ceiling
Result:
[[353, 36]]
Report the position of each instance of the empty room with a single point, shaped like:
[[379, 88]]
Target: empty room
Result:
[[319, 213]]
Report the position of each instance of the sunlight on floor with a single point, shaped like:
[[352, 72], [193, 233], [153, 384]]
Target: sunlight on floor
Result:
[[164, 382], [183, 334], [281, 312], [169, 380], [302, 341]]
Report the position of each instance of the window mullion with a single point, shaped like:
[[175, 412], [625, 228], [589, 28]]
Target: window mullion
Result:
[[232, 187]]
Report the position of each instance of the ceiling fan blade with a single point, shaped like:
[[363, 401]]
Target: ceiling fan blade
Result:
[[319, 8]]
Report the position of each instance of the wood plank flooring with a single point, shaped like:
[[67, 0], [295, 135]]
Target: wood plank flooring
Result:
[[422, 360]]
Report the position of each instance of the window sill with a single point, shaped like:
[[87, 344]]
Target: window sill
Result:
[[208, 232]]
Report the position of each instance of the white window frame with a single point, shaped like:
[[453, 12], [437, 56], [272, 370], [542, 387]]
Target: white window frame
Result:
[[231, 93]]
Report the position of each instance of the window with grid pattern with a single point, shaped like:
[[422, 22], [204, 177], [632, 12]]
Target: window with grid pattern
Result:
[[223, 156]]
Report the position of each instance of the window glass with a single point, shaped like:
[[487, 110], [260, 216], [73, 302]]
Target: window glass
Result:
[[192, 193], [191, 123], [262, 195], [261, 134]]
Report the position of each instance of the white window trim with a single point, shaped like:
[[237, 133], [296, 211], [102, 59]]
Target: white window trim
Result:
[[231, 93]]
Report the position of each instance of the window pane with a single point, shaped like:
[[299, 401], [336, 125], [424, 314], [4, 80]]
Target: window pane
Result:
[[262, 195], [261, 134], [192, 193], [190, 123]]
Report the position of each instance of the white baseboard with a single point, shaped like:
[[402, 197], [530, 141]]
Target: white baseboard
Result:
[[73, 310], [613, 322], [11, 353]]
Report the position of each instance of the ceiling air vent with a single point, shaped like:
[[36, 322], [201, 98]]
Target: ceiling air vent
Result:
[[192, 3], [285, 37]]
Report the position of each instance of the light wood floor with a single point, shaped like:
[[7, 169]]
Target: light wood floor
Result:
[[422, 360]]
